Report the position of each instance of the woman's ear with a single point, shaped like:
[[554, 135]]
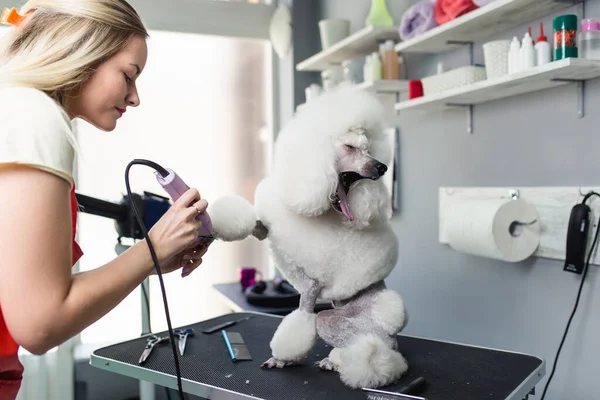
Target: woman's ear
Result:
[[305, 175]]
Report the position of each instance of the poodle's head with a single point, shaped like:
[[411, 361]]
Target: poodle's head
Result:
[[332, 154]]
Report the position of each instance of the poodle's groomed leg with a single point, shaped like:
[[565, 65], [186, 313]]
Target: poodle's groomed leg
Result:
[[297, 333], [337, 329], [375, 311], [260, 231]]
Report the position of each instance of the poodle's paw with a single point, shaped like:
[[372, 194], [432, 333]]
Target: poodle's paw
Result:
[[326, 365], [276, 363], [295, 336], [331, 363]]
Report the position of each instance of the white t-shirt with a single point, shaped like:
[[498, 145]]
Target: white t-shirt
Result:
[[35, 131]]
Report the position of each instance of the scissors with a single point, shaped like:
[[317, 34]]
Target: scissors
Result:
[[183, 334], [150, 343]]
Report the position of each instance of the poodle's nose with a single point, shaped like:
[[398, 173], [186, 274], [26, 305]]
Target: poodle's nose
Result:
[[381, 168]]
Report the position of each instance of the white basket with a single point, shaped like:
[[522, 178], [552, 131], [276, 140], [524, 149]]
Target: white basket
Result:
[[458, 77], [496, 58]]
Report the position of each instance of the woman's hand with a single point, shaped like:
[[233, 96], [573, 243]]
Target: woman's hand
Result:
[[188, 260], [174, 235]]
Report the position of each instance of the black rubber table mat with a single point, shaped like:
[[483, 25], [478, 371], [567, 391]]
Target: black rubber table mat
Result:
[[452, 371]]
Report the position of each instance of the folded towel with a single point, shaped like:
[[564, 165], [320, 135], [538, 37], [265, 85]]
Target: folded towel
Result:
[[418, 19], [481, 3], [447, 10]]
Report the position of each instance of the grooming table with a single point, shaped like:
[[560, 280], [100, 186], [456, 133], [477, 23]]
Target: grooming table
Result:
[[452, 371]]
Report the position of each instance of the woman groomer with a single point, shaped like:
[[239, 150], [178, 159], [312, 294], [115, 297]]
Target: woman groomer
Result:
[[60, 60]]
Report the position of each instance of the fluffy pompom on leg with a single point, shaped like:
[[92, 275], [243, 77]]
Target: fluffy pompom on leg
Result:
[[233, 218], [389, 311], [293, 339], [369, 363]]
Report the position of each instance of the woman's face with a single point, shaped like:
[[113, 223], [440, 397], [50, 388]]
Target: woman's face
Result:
[[104, 98]]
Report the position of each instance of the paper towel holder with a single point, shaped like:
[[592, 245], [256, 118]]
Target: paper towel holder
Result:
[[516, 227], [553, 203]]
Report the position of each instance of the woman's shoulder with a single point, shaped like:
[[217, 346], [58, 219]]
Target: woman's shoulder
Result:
[[33, 102], [35, 131]]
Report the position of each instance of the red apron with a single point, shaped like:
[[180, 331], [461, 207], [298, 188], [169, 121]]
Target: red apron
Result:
[[11, 369]]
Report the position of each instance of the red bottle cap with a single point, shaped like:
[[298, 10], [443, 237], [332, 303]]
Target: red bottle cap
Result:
[[542, 38]]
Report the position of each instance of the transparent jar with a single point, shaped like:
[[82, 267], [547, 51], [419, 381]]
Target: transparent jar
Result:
[[353, 70], [589, 39]]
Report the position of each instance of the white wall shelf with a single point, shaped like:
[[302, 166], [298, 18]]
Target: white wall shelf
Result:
[[495, 17], [380, 87], [385, 86], [357, 45], [538, 78]]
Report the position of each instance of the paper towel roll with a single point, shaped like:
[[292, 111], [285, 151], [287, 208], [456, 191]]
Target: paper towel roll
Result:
[[501, 229]]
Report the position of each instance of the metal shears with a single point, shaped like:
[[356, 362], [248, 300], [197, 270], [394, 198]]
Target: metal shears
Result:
[[150, 343], [183, 334]]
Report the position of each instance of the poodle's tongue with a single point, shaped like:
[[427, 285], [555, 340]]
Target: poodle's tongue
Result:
[[344, 203]]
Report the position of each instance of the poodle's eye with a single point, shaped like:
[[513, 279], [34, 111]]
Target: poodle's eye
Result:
[[349, 147]]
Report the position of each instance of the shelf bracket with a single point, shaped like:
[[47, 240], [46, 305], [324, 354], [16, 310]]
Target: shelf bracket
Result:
[[464, 43], [580, 93], [469, 108]]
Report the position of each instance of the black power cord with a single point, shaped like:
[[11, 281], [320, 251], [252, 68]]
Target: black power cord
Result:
[[585, 270], [147, 305], [164, 173]]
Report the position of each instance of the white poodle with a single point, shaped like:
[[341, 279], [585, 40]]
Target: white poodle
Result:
[[326, 215]]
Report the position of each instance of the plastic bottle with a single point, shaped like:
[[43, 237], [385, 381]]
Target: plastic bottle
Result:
[[589, 39], [514, 56], [527, 52], [376, 67], [379, 15], [391, 67], [543, 50]]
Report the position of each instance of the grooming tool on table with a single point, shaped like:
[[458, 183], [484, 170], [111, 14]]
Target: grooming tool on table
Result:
[[375, 394], [175, 187], [236, 346], [224, 325], [402, 393], [183, 334], [150, 343], [413, 386]]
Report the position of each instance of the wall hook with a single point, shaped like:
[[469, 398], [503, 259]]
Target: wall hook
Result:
[[514, 194]]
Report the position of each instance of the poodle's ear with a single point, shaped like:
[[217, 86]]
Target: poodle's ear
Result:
[[304, 174]]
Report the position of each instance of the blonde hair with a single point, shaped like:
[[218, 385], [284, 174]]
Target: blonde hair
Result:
[[61, 42]]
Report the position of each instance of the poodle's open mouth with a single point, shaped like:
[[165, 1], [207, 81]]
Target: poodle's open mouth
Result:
[[340, 201]]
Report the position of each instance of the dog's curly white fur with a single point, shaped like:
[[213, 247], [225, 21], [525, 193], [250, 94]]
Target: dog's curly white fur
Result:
[[326, 215]]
